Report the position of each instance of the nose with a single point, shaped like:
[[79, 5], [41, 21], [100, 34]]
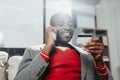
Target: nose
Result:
[[67, 27]]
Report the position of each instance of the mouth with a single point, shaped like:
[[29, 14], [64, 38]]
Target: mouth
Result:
[[67, 35]]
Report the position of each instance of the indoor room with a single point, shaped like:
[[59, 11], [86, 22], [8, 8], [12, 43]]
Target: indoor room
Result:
[[24, 25]]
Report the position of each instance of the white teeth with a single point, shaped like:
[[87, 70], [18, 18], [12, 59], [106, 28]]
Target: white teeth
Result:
[[66, 34]]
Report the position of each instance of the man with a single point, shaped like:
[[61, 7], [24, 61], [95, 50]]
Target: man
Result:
[[59, 60]]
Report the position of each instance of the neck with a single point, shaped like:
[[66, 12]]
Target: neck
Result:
[[62, 44]]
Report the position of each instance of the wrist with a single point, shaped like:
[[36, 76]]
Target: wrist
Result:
[[99, 62], [51, 45], [100, 67], [44, 56], [47, 49], [98, 58]]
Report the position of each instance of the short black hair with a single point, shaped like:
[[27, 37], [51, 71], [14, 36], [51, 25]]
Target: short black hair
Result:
[[56, 15]]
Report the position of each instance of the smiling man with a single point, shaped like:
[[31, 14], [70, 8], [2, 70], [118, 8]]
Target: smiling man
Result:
[[59, 60], [63, 26]]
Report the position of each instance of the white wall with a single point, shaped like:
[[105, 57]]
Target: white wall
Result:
[[108, 18], [21, 22], [85, 14], [117, 24], [86, 21], [57, 6]]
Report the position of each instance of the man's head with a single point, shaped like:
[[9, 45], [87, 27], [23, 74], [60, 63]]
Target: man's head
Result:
[[65, 26]]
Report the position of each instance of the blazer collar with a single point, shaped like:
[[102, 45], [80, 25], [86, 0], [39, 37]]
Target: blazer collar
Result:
[[83, 61]]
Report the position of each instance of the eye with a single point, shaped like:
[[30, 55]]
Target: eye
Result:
[[61, 23]]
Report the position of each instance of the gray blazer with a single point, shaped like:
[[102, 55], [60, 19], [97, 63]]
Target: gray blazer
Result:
[[33, 66]]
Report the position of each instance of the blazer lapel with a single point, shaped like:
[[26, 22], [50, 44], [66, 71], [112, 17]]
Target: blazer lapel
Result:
[[83, 63]]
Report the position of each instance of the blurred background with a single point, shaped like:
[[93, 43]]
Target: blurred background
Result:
[[23, 23]]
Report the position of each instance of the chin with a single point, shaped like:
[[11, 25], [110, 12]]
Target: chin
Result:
[[66, 40]]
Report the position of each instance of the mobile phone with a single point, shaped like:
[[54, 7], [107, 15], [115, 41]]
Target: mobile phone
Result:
[[79, 39], [83, 38], [54, 35]]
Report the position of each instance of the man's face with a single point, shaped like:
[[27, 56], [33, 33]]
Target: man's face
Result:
[[65, 28]]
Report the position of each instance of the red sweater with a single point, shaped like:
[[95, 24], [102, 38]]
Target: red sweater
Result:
[[66, 65]]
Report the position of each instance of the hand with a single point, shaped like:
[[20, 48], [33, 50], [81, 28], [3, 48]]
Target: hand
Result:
[[96, 48], [49, 40]]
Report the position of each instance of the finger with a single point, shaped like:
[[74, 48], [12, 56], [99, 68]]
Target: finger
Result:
[[93, 44], [94, 51], [48, 29], [96, 48], [54, 29], [96, 39]]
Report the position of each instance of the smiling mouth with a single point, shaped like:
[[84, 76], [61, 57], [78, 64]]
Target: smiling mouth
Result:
[[67, 33]]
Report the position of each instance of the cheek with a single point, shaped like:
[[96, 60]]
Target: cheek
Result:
[[61, 31], [60, 34]]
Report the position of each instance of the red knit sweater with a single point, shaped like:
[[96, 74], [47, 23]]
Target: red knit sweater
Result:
[[65, 65]]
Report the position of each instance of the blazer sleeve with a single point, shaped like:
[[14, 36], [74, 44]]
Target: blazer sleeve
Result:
[[98, 76], [31, 68]]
